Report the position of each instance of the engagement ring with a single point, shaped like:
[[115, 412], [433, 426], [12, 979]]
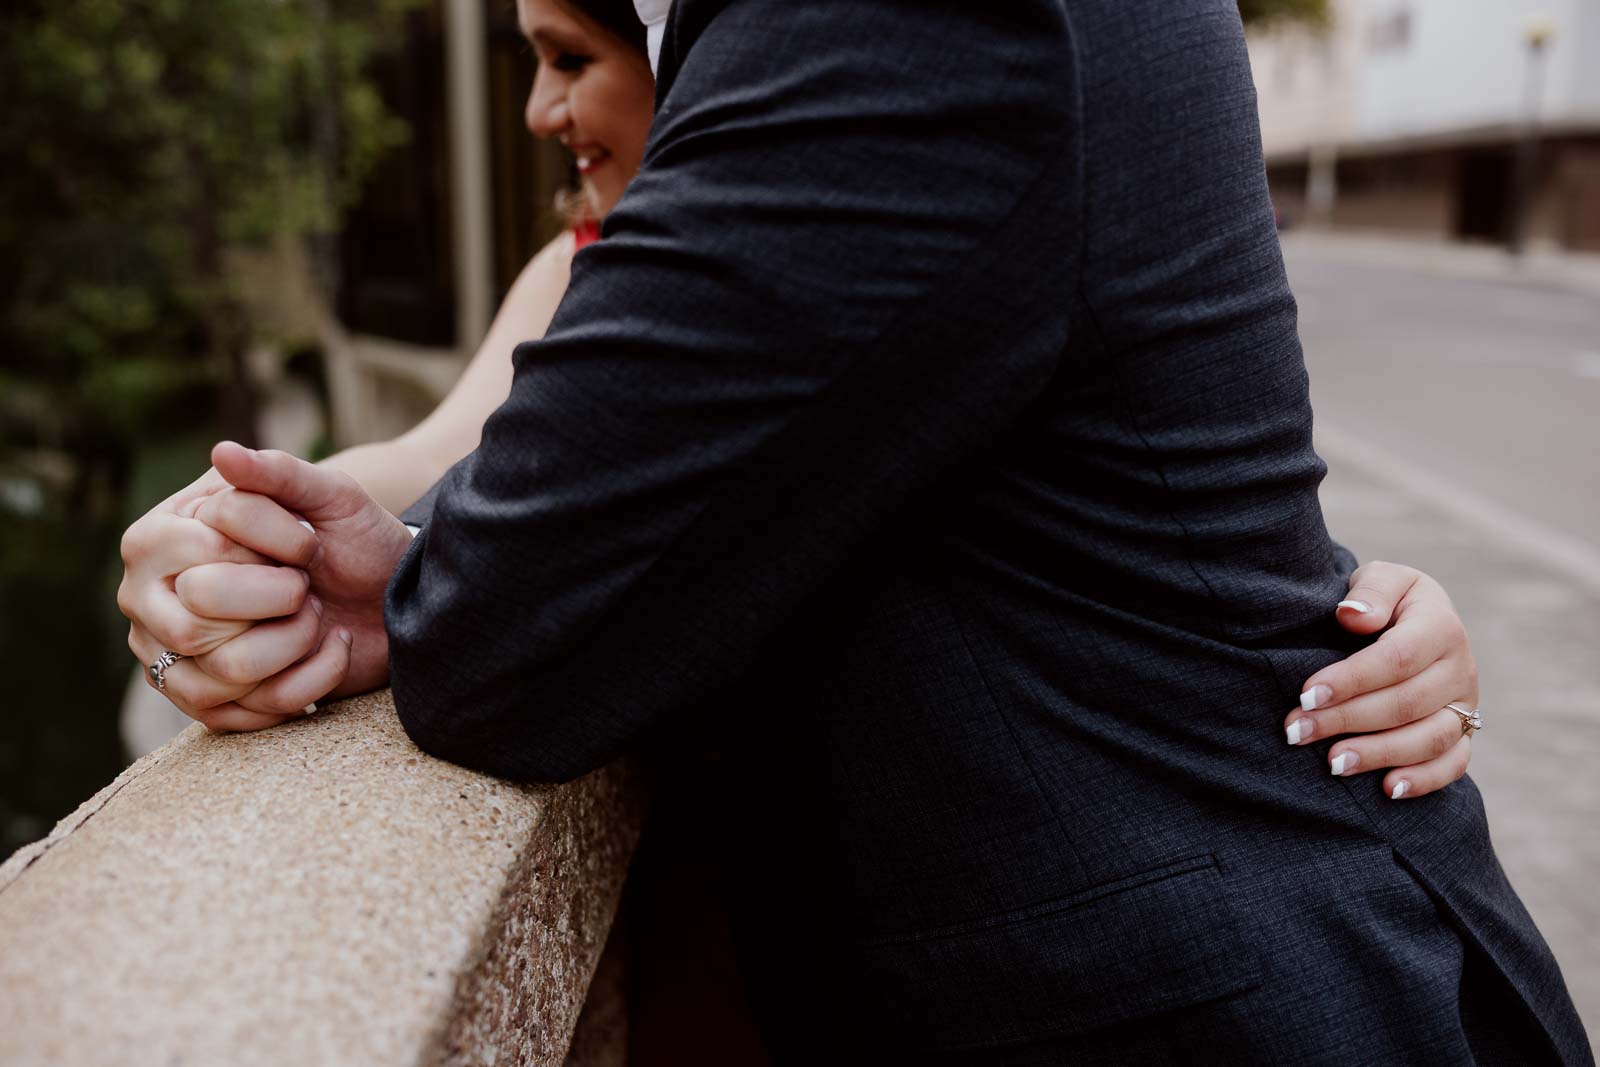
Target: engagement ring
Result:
[[1471, 721]]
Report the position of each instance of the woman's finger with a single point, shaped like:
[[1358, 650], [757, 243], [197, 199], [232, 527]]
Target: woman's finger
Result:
[[162, 544], [1415, 698], [266, 648], [154, 549], [233, 719], [189, 688], [1403, 783], [295, 690], [1407, 649], [200, 696], [1376, 590], [155, 608], [259, 523], [1410, 745], [242, 591]]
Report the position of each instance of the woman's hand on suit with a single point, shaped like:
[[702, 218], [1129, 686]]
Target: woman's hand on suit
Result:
[[1392, 694]]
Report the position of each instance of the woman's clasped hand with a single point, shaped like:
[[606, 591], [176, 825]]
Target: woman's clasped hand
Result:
[[270, 612]]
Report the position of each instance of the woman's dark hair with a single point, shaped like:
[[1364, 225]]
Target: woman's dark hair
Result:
[[618, 16]]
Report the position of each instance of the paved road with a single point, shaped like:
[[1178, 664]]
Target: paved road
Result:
[[1460, 416], [1493, 386]]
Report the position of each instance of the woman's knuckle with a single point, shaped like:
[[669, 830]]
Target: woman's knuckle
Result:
[[228, 667], [189, 639], [177, 694], [1402, 659], [125, 597], [1361, 675], [1333, 722], [295, 639], [292, 594], [212, 543], [273, 701], [184, 639], [230, 506], [189, 586], [218, 545], [129, 547], [1405, 708]]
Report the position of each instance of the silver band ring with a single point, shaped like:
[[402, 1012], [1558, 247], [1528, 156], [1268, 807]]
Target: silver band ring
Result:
[[1471, 721], [158, 669]]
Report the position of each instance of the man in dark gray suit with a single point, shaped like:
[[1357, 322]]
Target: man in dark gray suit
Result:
[[932, 416]]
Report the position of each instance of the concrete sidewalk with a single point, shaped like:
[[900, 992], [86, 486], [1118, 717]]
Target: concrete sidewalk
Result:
[[1575, 271], [1535, 628]]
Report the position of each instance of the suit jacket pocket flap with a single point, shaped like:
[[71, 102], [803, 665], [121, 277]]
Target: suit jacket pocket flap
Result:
[[1155, 941]]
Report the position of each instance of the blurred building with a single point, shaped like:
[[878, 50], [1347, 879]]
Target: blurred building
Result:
[[446, 224], [1447, 118]]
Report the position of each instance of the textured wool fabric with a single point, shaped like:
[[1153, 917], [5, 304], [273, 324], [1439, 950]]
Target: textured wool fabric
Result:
[[930, 428]]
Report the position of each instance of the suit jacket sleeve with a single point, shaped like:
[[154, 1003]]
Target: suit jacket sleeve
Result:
[[1344, 561], [841, 274]]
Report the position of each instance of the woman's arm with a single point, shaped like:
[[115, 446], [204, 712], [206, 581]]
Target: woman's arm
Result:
[[166, 552], [396, 472]]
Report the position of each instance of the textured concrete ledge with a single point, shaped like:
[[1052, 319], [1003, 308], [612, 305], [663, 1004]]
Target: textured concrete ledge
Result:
[[319, 893]]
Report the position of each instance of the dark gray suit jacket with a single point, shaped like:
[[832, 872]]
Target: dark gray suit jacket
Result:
[[932, 418]]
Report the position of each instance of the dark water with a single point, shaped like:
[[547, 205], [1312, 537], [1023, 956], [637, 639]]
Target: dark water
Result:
[[66, 646], [58, 733]]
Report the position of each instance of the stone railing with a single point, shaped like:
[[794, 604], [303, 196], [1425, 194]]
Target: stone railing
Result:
[[318, 893]]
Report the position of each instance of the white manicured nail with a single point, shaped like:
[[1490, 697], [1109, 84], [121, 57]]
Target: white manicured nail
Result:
[[1400, 789], [1360, 607], [1345, 762], [310, 708], [1315, 697], [307, 525], [1300, 731]]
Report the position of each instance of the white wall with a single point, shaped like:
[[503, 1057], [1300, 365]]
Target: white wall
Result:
[[1463, 65], [1582, 62], [1467, 65], [1306, 85]]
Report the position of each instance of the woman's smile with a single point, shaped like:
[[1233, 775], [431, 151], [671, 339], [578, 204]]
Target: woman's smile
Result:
[[589, 157], [593, 90]]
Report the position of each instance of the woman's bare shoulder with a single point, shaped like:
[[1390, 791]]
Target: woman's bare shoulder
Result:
[[533, 297], [556, 256]]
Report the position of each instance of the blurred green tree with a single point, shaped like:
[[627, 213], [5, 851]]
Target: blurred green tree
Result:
[[143, 139], [1315, 12]]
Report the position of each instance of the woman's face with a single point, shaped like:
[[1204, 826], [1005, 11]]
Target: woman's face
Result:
[[592, 90]]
